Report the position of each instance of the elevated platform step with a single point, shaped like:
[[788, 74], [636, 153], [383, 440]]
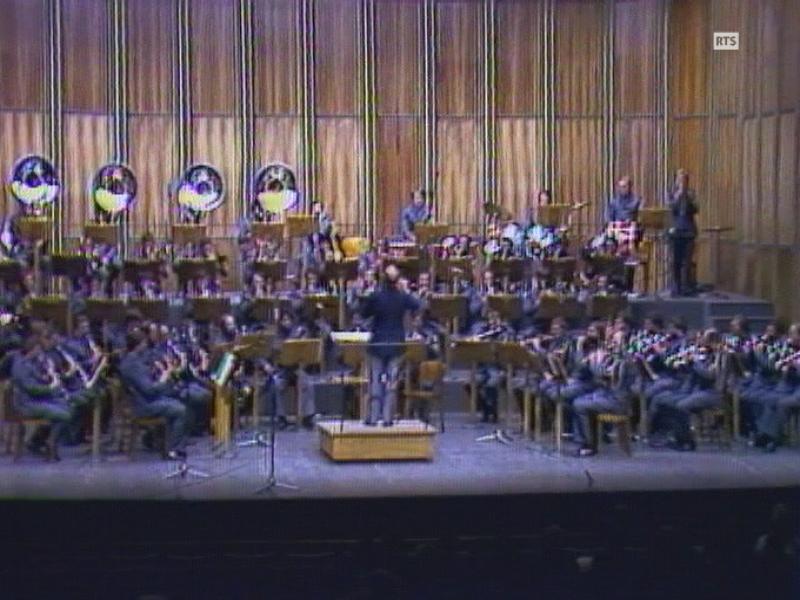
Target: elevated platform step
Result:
[[714, 309], [354, 441]]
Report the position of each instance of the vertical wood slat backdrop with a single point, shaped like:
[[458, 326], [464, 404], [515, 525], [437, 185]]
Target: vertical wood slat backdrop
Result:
[[732, 116]]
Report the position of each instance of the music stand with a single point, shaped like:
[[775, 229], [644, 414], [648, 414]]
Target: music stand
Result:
[[602, 306], [552, 306], [71, 266], [210, 309], [262, 308], [10, 271], [105, 311], [472, 353], [298, 226], [102, 233], [552, 215], [134, 270], [269, 232], [609, 265], [188, 233], [409, 266], [454, 269], [327, 304], [272, 271], [35, 230], [255, 346], [514, 356], [509, 270], [192, 269], [509, 306], [153, 309], [654, 222], [426, 233], [342, 272], [448, 308], [558, 269], [55, 309]]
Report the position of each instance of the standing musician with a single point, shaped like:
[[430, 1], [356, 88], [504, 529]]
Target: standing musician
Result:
[[387, 308], [683, 207], [416, 212]]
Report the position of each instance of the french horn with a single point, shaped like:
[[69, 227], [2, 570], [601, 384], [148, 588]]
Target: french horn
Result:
[[34, 183], [113, 190]]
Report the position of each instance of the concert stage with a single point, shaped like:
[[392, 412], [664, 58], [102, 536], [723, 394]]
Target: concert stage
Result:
[[461, 466], [710, 309]]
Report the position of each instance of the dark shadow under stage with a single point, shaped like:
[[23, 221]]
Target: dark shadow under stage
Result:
[[461, 466]]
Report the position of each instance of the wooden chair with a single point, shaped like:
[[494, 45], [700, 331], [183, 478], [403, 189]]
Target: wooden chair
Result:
[[15, 424], [623, 425], [714, 424], [431, 378], [130, 425]]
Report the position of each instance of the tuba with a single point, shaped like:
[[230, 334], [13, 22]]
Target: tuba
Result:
[[113, 190], [34, 184], [200, 190], [275, 189]]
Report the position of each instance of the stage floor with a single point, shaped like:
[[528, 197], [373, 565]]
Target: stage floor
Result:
[[461, 467]]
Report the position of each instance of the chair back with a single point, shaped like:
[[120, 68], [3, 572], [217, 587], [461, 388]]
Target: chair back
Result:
[[431, 372]]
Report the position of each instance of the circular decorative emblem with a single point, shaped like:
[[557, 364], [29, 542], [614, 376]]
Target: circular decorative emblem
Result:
[[200, 189], [113, 189], [34, 182]]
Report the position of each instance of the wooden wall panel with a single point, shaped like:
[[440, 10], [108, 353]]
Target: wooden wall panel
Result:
[[213, 56], [770, 21], [519, 178], [275, 48], [579, 25], [153, 159], [336, 57], [790, 55], [339, 168], [725, 179], [398, 170], [277, 140], [766, 184], [636, 56], [85, 55], [579, 169], [22, 53], [458, 57], [398, 64], [637, 155], [457, 183], [214, 141], [21, 133], [788, 193], [519, 57], [729, 15], [750, 181], [86, 148], [151, 36], [689, 47]]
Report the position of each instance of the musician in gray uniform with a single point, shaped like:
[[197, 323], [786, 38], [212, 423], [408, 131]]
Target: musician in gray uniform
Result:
[[149, 395], [37, 394]]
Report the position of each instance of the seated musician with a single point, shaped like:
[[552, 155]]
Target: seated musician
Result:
[[569, 375], [426, 330], [150, 392], [612, 382], [38, 392], [624, 205], [490, 377], [416, 212], [697, 368], [291, 327], [783, 397], [757, 384]]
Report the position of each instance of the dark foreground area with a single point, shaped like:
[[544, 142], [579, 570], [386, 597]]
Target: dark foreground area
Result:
[[693, 544]]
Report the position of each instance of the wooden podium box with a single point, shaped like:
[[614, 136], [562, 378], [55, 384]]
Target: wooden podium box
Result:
[[354, 441]]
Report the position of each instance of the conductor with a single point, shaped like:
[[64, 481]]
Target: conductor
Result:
[[387, 308]]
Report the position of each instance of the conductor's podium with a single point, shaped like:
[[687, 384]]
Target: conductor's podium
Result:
[[354, 441]]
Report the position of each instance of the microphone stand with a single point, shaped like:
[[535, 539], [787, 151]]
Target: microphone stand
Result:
[[269, 454]]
